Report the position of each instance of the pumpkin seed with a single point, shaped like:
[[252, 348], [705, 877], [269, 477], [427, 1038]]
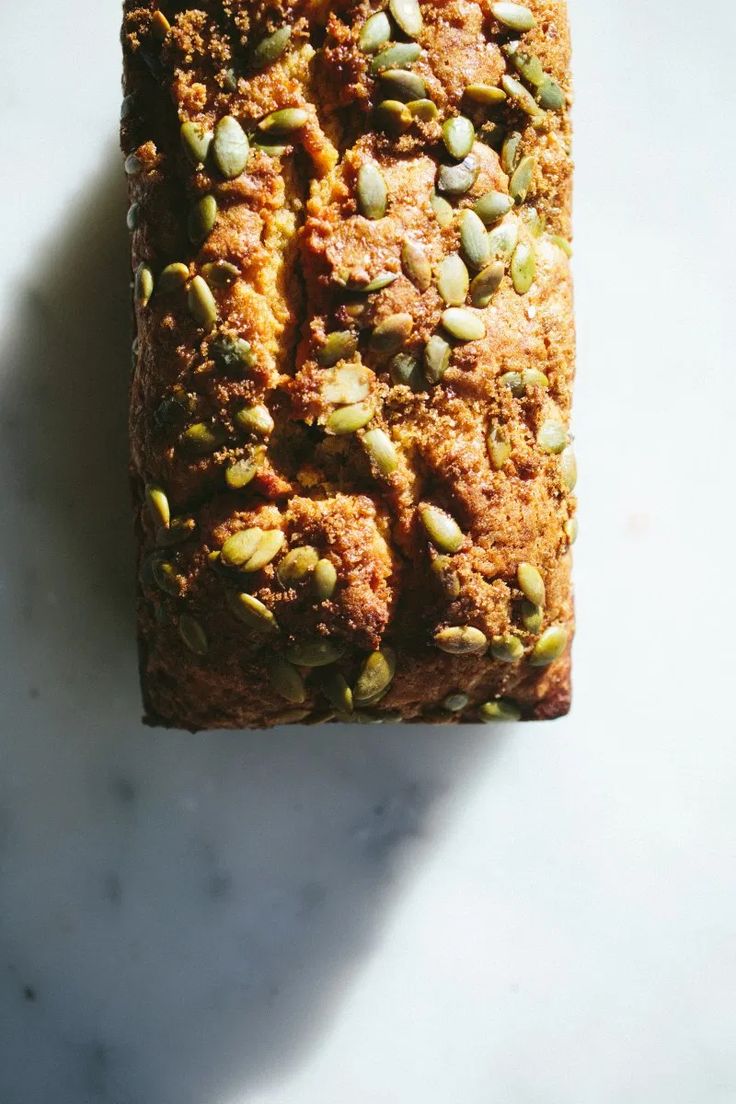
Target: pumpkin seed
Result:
[[424, 109], [180, 530], [376, 675], [286, 681], [405, 371], [415, 263], [486, 283], [378, 283], [522, 178], [285, 121], [133, 164], [252, 612], [453, 280], [521, 96], [552, 436], [403, 85], [160, 26], [268, 547], [442, 530], [561, 243], [458, 134], [193, 635], [499, 711], [461, 640], [201, 302], [507, 648], [371, 191], [551, 97], [202, 439], [233, 355], [499, 448], [462, 324], [436, 358], [133, 217], [392, 117], [230, 147], [442, 210], [270, 48], [324, 580], [549, 647], [571, 529], [158, 505], [272, 148], [474, 239], [239, 548], [374, 33], [568, 469], [514, 382], [317, 652], [297, 565], [502, 240], [486, 94], [526, 65], [172, 278], [510, 152], [230, 80], [523, 268], [493, 206], [126, 107], [442, 567], [255, 419], [348, 384], [196, 140], [533, 377], [202, 219], [338, 345], [391, 334], [531, 583], [335, 688], [241, 473], [407, 15], [381, 450], [165, 578], [530, 615], [455, 703], [143, 285], [458, 179], [400, 55], [220, 274], [348, 419], [516, 17]]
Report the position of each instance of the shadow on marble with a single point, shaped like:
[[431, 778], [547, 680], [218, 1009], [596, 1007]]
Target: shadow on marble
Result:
[[179, 916]]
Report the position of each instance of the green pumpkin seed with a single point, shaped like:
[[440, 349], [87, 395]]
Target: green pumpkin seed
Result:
[[493, 206], [376, 675], [202, 218], [531, 583], [239, 548], [268, 547], [230, 147], [442, 530], [339, 345], [374, 33], [526, 65], [507, 648], [474, 239], [462, 324], [201, 302], [458, 179], [392, 117], [552, 436], [371, 191], [297, 565], [286, 121], [571, 529], [455, 703], [335, 688], [502, 240], [271, 149], [143, 285], [400, 55], [403, 85], [133, 164], [252, 612], [522, 178], [286, 681], [499, 711], [568, 469], [551, 97], [415, 264], [510, 152], [499, 448], [378, 283], [381, 450], [561, 243], [523, 268], [442, 210], [549, 647], [405, 371], [193, 635], [391, 334], [349, 419], [133, 217], [158, 505], [233, 355], [407, 15], [317, 652], [160, 26], [486, 94], [202, 439], [533, 377], [271, 48], [449, 580], [514, 382], [436, 358], [173, 278], [458, 134], [424, 109], [486, 283], [324, 580], [461, 640], [531, 616], [516, 17], [255, 419], [453, 280], [180, 530], [346, 385], [521, 96], [165, 578], [196, 140], [220, 274], [241, 473]]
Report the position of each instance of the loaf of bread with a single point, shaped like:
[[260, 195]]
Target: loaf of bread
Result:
[[353, 360]]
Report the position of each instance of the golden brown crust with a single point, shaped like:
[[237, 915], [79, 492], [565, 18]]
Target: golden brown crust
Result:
[[298, 253]]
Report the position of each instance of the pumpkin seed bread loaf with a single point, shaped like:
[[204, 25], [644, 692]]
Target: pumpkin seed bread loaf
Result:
[[353, 362]]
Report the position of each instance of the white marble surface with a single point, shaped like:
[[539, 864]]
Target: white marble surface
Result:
[[542, 915]]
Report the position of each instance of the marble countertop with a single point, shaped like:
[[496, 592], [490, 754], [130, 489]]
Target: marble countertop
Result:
[[530, 915]]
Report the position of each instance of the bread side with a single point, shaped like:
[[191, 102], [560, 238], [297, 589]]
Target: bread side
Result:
[[352, 370]]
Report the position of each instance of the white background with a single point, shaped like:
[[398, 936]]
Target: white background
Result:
[[539, 915]]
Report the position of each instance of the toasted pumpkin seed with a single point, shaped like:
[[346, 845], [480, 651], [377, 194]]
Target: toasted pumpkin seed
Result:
[[347, 384], [133, 164], [196, 140], [442, 210], [458, 134], [392, 117], [165, 578], [424, 109], [510, 152], [415, 264], [474, 239], [202, 218], [133, 217], [220, 274], [458, 179], [160, 26], [286, 681], [521, 96], [239, 548], [255, 419], [400, 55], [487, 94], [268, 547], [526, 65], [549, 647], [453, 280], [158, 505], [530, 615], [486, 283], [297, 565], [391, 334], [522, 178], [324, 580], [442, 530], [143, 285], [499, 448], [449, 580], [201, 302], [403, 85], [493, 206], [499, 711], [271, 148], [349, 419], [436, 358], [172, 278], [523, 268], [374, 33], [462, 324], [533, 377], [551, 97], [338, 345], [200, 439], [514, 382], [180, 530], [461, 640], [371, 191], [561, 243], [376, 675], [230, 147], [271, 48], [531, 583], [515, 16], [240, 473], [378, 283], [407, 15], [335, 688], [455, 703], [285, 121], [381, 450], [405, 371], [507, 648], [252, 612], [568, 469], [552, 436], [233, 355], [317, 652], [193, 635], [502, 240]]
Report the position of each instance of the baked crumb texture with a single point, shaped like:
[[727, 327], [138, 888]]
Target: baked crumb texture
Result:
[[434, 529]]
